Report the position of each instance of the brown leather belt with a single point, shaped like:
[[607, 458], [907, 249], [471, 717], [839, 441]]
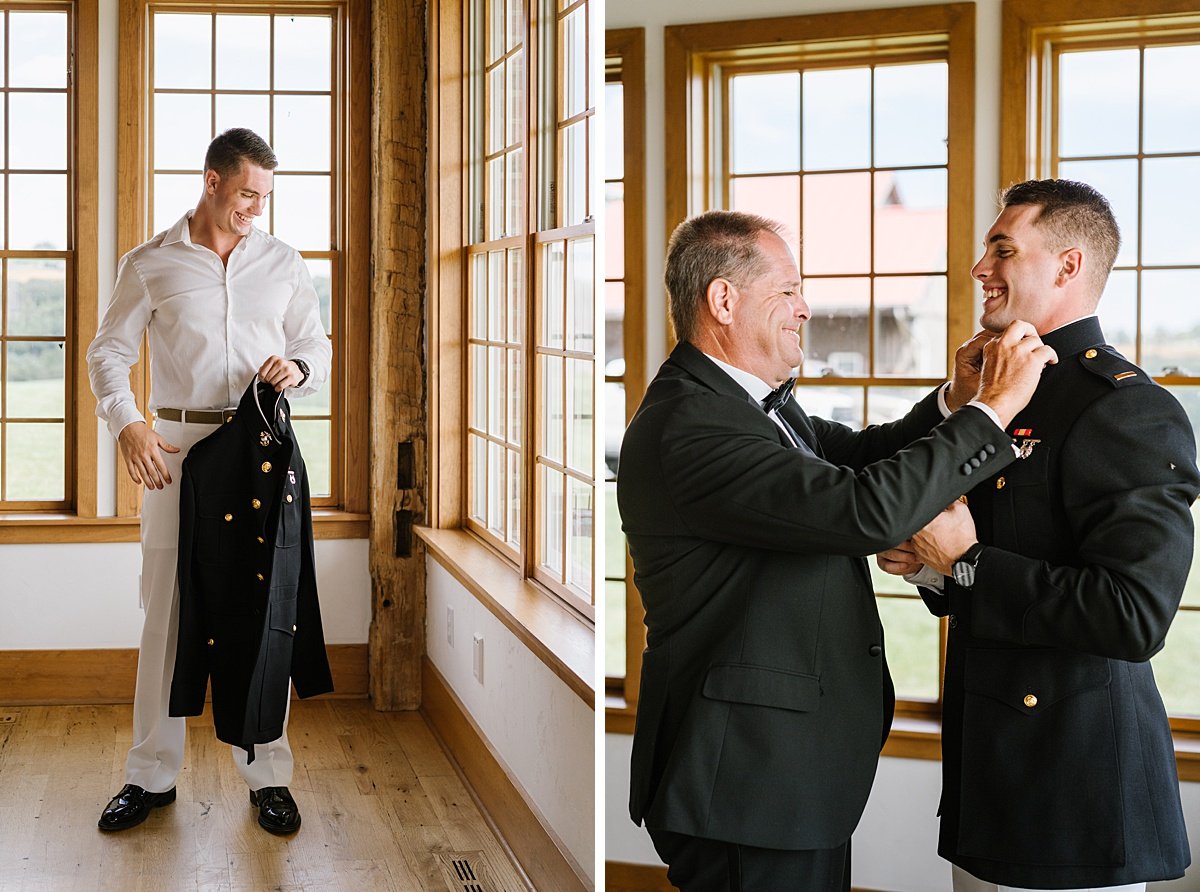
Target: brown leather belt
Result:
[[197, 416]]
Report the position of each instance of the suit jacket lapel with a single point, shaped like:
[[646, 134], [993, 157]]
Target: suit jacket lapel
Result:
[[798, 419]]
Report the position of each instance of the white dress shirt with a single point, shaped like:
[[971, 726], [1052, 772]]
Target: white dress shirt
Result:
[[759, 390], [211, 326]]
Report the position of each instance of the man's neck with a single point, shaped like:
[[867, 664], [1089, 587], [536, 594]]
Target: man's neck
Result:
[[203, 232]]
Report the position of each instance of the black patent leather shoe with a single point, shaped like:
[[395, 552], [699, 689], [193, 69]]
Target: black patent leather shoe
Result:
[[132, 806], [277, 809]]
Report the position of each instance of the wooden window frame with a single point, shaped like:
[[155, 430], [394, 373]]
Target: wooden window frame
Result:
[[349, 467], [1032, 35], [79, 496], [560, 637], [541, 136], [627, 47]]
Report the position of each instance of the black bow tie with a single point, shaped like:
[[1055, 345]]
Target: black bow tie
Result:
[[778, 397]]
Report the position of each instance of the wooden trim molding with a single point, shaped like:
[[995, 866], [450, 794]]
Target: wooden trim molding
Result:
[[536, 846], [87, 677], [556, 635], [621, 876], [57, 529]]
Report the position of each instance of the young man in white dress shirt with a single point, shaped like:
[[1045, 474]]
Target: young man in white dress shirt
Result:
[[220, 300]]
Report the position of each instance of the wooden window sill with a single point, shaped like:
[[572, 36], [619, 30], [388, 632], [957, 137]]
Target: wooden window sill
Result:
[[919, 738], [41, 529], [560, 638]]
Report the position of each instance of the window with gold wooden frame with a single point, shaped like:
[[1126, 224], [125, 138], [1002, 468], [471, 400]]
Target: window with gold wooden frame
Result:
[[856, 130], [47, 256], [624, 338], [284, 71], [1104, 97], [530, 284]]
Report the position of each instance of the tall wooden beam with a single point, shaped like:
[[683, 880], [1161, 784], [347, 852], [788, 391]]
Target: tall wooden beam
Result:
[[399, 435]]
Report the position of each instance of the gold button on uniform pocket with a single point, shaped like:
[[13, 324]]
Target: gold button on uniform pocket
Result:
[[1000, 483], [266, 467], [228, 517], [1030, 700]]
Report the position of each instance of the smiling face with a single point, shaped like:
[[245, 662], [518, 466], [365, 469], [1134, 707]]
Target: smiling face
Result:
[[1022, 277], [762, 335], [235, 200]]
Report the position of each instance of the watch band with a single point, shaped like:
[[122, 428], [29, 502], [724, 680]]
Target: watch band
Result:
[[304, 372], [963, 569]]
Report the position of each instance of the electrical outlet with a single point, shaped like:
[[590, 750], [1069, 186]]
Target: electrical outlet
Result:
[[477, 661], [450, 626]]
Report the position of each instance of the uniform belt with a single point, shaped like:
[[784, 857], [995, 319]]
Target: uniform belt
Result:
[[197, 416]]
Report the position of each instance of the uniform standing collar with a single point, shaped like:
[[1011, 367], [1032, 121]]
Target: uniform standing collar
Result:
[[1075, 337]]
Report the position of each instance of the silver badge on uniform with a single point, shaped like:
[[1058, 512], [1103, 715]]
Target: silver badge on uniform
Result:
[[1026, 448], [291, 477]]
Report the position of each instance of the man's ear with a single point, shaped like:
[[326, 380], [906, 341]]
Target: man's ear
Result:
[[211, 180], [720, 296], [1070, 265]]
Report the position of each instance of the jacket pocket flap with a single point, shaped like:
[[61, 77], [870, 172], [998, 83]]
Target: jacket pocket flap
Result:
[[1031, 681], [761, 686], [283, 616]]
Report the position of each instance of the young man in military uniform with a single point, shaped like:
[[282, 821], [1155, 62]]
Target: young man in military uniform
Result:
[[1060, 576]]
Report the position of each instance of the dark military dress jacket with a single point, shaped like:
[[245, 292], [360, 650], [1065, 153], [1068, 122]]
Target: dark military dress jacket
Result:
[[765, 694], [1058, 769], [248, 612]]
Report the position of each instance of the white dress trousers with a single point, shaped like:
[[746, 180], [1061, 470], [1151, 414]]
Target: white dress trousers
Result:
[[965, 882], [158, 738]]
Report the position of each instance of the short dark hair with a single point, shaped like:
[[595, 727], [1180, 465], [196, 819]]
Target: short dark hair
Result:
[[1072, 214], [713, 245], [227, 152]]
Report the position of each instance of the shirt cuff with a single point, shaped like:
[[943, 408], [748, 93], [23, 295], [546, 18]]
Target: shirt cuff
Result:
[[943, 407], [122, 418], [988, 411], [927, 577]]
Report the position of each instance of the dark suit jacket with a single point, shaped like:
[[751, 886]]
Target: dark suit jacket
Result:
[[248, 611], [1089, 541], [765, 695]]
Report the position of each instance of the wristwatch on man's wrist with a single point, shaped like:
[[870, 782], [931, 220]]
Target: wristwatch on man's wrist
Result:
[[964, 567], [303, 367]]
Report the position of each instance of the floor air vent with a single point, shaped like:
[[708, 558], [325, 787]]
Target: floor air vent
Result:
[[468, 872]]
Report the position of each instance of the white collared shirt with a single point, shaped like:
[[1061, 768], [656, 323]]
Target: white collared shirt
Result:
[[211, 326], [758, 389]]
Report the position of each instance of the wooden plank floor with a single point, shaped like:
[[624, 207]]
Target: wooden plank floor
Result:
[[381, 802]]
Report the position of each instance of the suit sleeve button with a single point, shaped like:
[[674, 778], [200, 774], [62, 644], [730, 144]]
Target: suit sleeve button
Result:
[[875, 650], [967, 469], [975, 462], [989, 449]]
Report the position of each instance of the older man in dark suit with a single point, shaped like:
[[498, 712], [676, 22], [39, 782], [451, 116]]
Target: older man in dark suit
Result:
[[1065, 571], [765, 695]]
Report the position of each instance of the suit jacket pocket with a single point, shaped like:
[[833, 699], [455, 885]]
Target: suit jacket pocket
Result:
[[1040, 777], [762, 686]]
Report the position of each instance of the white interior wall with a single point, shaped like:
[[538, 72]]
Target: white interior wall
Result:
[[539, 730], [895, 845]]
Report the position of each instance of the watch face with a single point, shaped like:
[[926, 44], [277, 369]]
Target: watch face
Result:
[[964, 574]]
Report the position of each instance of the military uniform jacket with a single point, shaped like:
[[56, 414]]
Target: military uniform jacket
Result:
[[1057, 763], [765, 695], [248, 612]]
